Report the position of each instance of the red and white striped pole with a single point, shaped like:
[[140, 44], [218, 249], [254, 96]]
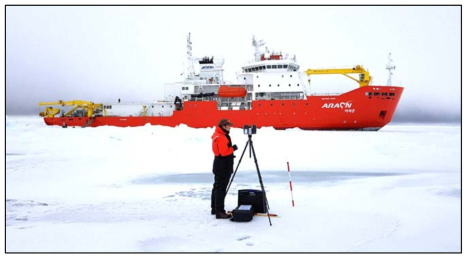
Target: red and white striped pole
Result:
[[290, 185]]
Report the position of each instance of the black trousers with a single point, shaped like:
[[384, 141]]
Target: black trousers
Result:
[[222, 170]]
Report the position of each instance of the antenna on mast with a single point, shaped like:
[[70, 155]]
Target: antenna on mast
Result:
[[390, 67], [257, 44], [191, 69]]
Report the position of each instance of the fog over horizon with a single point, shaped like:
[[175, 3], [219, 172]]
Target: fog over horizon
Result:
[[102, 53]]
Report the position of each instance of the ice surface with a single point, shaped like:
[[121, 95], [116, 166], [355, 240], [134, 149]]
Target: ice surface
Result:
[[147, 189]]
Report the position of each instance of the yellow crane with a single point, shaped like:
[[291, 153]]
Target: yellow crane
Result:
[[364, 80], [89, 107]]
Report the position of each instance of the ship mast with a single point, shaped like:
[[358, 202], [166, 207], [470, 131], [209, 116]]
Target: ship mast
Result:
[[257, 45], [390, 67], [191, 69]]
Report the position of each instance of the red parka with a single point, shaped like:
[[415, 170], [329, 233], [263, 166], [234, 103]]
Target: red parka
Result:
[[222, 146]]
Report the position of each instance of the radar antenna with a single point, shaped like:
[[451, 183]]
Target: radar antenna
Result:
[[390, 67]]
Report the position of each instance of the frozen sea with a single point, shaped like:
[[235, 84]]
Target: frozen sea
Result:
[[147, 189]]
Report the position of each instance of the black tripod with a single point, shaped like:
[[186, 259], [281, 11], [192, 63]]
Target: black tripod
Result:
[[251, 150]]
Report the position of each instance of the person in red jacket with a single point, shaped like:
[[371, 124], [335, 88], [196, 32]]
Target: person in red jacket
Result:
[[223, 167]]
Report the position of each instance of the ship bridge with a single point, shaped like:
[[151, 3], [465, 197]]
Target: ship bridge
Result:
[[271, 66], [272, 76]]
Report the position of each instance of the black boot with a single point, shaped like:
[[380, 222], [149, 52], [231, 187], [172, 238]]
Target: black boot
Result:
[[222, 215]]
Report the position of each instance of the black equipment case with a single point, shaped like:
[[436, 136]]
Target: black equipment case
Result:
[[243, 213], [253, 197]]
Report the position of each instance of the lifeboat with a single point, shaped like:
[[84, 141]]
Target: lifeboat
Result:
[[232, 92]]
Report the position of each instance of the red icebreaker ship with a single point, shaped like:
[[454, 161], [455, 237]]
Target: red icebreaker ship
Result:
[[270, 91]]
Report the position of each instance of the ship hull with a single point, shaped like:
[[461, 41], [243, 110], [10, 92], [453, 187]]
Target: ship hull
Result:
[[365, 108]]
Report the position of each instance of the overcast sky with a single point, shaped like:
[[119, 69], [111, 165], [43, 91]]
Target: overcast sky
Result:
[[104, 53]]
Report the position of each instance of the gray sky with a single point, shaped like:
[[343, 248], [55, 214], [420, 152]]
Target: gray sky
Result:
[[101, 54]]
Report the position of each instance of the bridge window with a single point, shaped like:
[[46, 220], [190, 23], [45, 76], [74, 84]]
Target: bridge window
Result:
[[269, 66], [285, 66], [384, 94], [280, 66], [376, 94], [392, 94]]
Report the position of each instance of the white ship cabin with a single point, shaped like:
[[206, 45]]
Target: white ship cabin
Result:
[[137, 109], [272, 78], [200, 83]]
